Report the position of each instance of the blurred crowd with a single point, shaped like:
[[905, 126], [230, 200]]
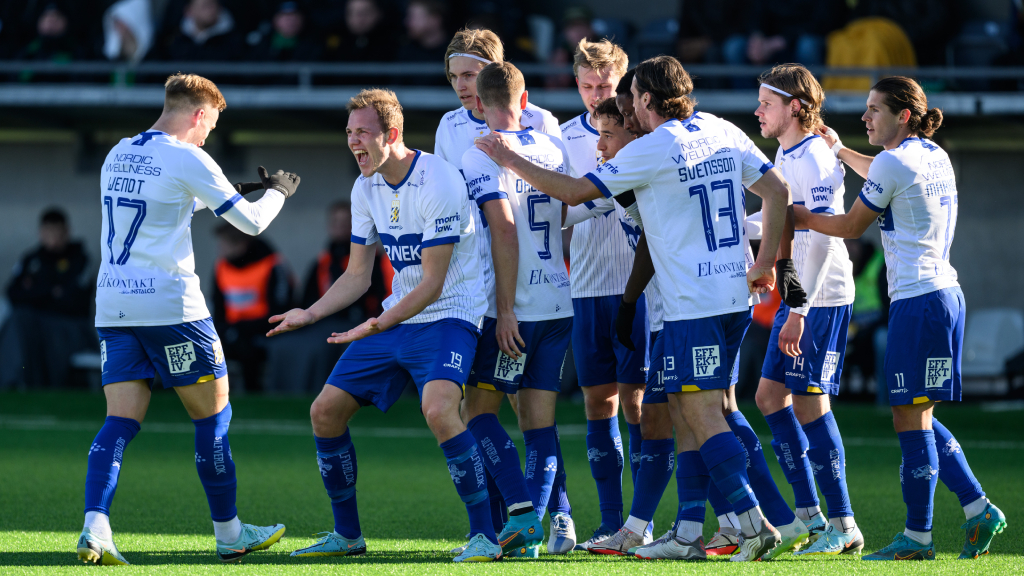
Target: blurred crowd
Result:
[[837, 32]]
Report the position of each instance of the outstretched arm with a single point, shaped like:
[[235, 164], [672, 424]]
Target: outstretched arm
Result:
[[849, 225], [572, 191], [859, 162]]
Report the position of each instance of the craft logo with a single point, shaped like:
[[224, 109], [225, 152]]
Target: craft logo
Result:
[[180, 357], [456, 362], [938, 371], [706, 360]]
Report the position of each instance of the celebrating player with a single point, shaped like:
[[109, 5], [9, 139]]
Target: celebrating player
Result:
[[808, 343], [910, 189], [529, 319], [416, 205], [467, 54], [705, 298], [600, 258], [152, 318]]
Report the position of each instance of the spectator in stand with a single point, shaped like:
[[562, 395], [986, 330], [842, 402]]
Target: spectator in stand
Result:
[[251, 284], [333, 261], [356, 31], [289, 38], [61, 35], [792, 31], [929, 24], [576, 25], [704, 27], [51, 294], [207, 32], [426, 39]]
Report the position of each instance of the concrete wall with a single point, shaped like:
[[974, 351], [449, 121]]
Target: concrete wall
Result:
[[986, 252]]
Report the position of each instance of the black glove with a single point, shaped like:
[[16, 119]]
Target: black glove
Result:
[[244, 188], [283, 182], [624, 324], [789, 284]]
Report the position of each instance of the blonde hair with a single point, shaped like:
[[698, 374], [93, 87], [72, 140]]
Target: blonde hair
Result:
[[600, 55], [384, 103], [500, 84], [187, 92], [482, 43], [799, 82]]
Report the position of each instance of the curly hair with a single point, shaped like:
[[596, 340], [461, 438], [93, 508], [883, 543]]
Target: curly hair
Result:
[[804, 87]]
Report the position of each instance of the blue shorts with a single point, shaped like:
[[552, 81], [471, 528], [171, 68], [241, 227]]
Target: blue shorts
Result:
[[701, 354], [376, 369], [182, 354], [600, 357], [823, 343], [655, 391], [540, 366], [922, 360]]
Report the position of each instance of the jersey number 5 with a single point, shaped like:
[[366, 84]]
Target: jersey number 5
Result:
[[133, 230], [709, 215]]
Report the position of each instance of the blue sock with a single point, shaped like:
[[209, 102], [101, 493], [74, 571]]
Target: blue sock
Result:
[[501, 458], [215, 466], [541, 465], [719, 504], [828, 458], [693, 480], [774, 507], [466, 467], [636, 442], [559, 501], [790, 447], [604, 450], [954, 471], [336, 458], [727, 466], [918, 475], [657, 460], [499, 510], [105, 456]]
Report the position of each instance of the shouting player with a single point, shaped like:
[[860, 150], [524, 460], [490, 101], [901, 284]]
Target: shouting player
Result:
[[910, 189], [808, 343], [416, 205], [705, 296], [529, 320], [152, 318], [600, 257], [467, 54]]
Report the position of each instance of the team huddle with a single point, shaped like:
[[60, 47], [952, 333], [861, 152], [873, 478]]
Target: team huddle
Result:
[[655, 303]]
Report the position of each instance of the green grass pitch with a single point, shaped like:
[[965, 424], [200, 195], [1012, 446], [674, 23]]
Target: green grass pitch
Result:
[[410, 512]]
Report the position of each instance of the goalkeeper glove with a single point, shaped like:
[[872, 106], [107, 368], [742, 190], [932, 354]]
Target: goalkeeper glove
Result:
[[790, 290], [284, 182], [244, 188], [624, 324]]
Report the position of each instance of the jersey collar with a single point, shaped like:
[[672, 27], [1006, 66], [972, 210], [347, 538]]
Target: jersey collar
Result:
[[585, 120], [909, 139], [801, 143], [473, 118], [528, 129], [412, 167]]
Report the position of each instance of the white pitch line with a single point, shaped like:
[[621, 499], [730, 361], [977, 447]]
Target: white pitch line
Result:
[[297, 428]]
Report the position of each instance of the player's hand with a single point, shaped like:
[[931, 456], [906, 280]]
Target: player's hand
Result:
[[789, 336], [497, 148], [624, 324], [507, 334], [368, 328], [800, 214], [831, 138], [291, 320], [792, 292], [284, 182], [761, 280], [244, 188]]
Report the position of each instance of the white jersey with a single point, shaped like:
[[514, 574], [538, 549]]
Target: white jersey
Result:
[[816, 176], [455, 135], [914, 188], [688, 178], [542, 288], [428, 208], [600, 257], [150, 185]]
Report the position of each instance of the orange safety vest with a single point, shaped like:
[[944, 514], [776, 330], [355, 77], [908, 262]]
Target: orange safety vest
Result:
[[245, 289]]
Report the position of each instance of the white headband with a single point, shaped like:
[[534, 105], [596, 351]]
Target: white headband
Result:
[[784, 93], [473, 56]]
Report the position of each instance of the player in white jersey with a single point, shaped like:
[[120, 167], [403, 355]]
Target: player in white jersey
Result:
[[467, 54], [600, 258], [808, 343], [151, 316], [415, 204], [529, 317], [706, 298], [910, 189]]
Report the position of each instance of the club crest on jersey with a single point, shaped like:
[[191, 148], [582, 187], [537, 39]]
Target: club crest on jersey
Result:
[[396, 207], [507, 369], [180, 357], [938, 371], [706, 360]]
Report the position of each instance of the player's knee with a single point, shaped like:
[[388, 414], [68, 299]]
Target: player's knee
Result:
[[320, 413], [767, 398], [655, 423], [600, 402]]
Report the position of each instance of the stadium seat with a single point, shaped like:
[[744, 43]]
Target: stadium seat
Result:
[[991, 337], [657, 37], [613, 29], [979, 43]]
